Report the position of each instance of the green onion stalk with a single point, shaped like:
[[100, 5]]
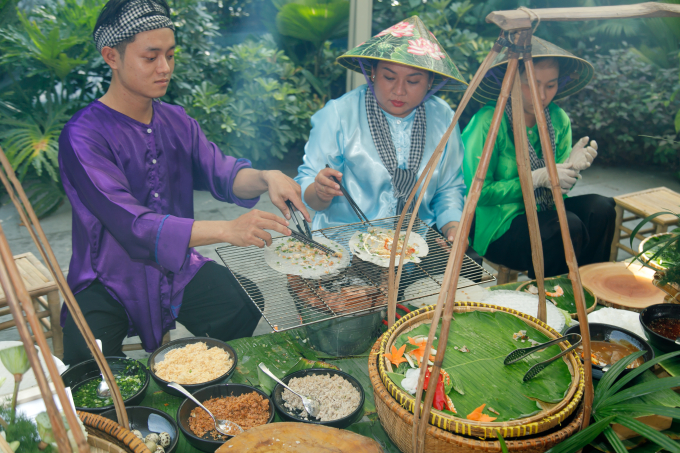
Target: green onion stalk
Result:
[[16, 361]]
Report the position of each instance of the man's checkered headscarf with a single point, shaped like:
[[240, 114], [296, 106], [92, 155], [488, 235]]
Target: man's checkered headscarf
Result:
[[136, 17]]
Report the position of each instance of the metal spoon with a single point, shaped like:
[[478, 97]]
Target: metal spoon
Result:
[[310, 405], [103, 390], [223, 426]]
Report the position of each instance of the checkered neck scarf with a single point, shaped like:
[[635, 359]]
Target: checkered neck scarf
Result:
[[402, 180], [544, 197], [137, 16]]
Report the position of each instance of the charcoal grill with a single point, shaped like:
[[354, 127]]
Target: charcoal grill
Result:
[[289, 301]]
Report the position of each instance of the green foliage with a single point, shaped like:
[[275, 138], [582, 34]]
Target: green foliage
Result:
[[626, 99], [611, 404], [666, 243], [315, 21], [263, 111], [24, 431]]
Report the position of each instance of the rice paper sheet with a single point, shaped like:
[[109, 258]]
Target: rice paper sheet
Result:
[[479, 376], [369, 246], [314, 266]]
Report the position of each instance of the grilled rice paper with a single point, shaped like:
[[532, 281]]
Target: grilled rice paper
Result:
[[292, 257], [375, 245]]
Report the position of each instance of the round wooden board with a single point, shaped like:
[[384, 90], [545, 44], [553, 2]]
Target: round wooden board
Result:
[[620, 285], [312, 439]]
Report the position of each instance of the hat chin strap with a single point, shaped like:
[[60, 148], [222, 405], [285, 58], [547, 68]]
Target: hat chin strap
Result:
[[370, 85]]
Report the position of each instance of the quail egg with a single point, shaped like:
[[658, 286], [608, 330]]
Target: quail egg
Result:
[[164, 439], [138, 433], [153, 437]]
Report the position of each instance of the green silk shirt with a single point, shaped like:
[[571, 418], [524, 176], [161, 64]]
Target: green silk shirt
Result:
[[501, 199]]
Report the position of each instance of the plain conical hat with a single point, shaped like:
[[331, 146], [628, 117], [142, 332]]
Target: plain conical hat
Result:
[[576, 71], [409, 43]]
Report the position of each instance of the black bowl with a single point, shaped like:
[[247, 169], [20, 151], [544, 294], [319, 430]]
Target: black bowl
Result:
[[138, 417], [159, 355], [606, 332], [657, 311], [86, 371], [341, 423], [207, 443]]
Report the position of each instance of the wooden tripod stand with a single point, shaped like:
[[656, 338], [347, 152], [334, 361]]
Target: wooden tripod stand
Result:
[[516, 35]]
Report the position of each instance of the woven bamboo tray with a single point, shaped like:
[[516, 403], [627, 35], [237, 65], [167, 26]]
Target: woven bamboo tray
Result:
[[398, 423], [105, 435], [548, 418], [573, 315], [646, 260]]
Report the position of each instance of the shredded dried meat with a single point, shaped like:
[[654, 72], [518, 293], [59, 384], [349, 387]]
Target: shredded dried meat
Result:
[[248, 411]]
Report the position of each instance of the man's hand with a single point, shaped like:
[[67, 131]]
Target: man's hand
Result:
[[449, 230], [249, 229], [282, 188], [582, 155]]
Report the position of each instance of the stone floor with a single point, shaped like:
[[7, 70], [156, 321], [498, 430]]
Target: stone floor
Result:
[[607, 181]]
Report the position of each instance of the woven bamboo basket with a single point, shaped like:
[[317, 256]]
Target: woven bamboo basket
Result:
[[398, 423], [105, 435], [646, 260], [573, 315], [551, 415]]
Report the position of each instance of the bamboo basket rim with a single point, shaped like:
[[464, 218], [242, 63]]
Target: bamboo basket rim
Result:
[[380, 394], [534, 424], [646, 260], [110, 431], [573, 315]]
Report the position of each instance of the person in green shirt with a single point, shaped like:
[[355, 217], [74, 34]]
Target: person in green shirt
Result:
[[500, 231]]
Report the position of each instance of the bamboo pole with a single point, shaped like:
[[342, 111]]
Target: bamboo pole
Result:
[[17, 296], [455, 263], [519, 19], [570, 255], [30, 220], [426, 175], [524, 171]]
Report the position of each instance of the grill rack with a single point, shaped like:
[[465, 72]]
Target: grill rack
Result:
[[288, 301]]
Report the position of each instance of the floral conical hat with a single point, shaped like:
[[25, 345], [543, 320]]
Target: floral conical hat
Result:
[[575, 72], [409, 43]]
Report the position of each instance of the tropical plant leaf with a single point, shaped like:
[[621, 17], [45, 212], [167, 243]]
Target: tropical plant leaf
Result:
[[315, 23], [640, 390], [489, 338], [614, 440], [615, 387], [648, 219], [504, 447], [582, 438], [646, 409], [649, 433], [603, 387]]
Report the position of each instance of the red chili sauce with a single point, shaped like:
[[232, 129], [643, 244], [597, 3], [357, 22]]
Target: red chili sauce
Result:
[[666, 327]]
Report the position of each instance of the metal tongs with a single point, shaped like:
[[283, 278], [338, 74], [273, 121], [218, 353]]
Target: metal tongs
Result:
[[519, 354], [350, 200], [302, 236]]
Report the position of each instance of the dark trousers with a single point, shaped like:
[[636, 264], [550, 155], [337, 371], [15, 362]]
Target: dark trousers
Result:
[[591, 227], [213, 305]]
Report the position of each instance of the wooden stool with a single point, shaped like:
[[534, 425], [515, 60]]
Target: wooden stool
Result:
[[503, 274], [642, 204], [39, 283]]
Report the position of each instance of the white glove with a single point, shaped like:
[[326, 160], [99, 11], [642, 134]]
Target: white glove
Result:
[[582, 155], [565, 172]]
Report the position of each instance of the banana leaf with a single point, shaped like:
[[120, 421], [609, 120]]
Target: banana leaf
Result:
[[566, 301], [489, 338]]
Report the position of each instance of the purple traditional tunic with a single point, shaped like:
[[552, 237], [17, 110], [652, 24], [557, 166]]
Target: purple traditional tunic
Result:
[[131, 187]]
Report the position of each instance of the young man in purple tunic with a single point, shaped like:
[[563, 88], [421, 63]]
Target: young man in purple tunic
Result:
[[130, 165]]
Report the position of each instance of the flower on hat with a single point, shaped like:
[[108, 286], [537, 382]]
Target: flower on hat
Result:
[[422, 46], [398, 30]]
